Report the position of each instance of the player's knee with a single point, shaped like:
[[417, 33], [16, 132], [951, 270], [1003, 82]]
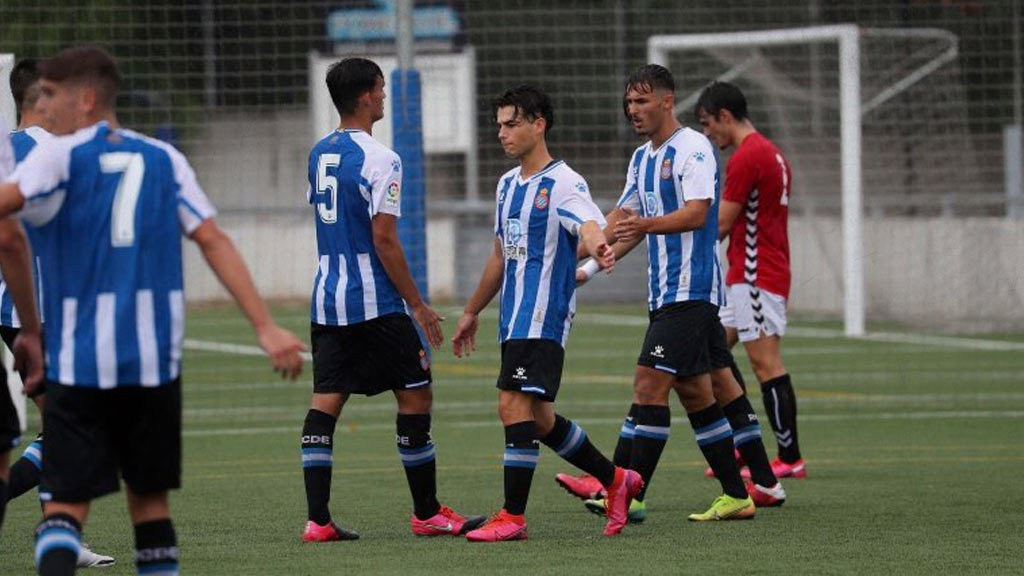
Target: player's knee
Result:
[[648, 390], [514, 407], [767, 367], [329, 403]]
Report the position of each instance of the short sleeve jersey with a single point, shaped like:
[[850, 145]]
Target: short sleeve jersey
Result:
[[684, 266], [109, 207], [758, 177], [352, 178], [538, 221]]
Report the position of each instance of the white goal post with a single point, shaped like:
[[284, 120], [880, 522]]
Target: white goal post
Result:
[[851, 114]]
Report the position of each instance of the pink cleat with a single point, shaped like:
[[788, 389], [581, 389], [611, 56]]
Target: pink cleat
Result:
[[584, 487], [766, 497], [740, 463], [499, 528], [627, 484], [789, 469], [329, 532], [445, 522]]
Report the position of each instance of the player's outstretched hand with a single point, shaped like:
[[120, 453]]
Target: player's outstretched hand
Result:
[[605, 257], [28, 360], [430, 322], [464, 340], [284, 349], [631, 228]]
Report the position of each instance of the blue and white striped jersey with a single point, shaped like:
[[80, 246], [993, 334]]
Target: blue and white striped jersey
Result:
[[684, 266], [352, 178], [109, 207], [23, 141], [538, 221]]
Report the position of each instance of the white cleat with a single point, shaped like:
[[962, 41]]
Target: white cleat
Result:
[[89, 559]]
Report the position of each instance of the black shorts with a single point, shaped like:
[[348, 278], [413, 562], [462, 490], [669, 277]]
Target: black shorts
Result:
[[10, 426], [532, 366], [9, 334], [719, 354], [681, 338], [93, 434], [369, 357]]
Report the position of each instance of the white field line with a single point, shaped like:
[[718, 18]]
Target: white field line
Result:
[[493, 422]]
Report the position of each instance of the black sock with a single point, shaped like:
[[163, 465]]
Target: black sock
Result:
[[522, 452], [416, 448], [156, 548], [780, 405], [737, 374], [317, 461], [746, 437], [571, 443], [24, 474], [624, 447], [651, 433], [58, 540], [714, 436]]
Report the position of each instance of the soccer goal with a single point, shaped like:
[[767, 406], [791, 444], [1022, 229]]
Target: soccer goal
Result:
[[853, 109]]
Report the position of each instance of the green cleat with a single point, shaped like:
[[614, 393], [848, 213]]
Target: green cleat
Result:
[[637, 509], [726, 507]]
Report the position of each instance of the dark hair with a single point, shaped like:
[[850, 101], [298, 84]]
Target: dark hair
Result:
[[348, 80], [23, 77], [720, 96], [84, 63], [648, 78], [529, 102]]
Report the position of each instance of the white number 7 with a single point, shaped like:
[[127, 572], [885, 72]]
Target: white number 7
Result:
[[122, 218]]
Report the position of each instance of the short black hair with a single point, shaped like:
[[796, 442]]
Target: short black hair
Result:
[[648, 78], [349, 79], [719, 96], [529, 102], [23, 77], [84, 63]]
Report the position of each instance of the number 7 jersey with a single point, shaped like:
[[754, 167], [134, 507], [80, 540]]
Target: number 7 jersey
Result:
[[109, 208]]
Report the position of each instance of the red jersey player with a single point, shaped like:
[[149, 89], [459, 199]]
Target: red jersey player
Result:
[[753, 214]]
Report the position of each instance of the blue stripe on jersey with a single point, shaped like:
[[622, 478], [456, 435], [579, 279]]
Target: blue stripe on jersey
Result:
[[23, 143], [704, 265], [558, 307], [508, 296], [673, 242], [653, 250], [535, 246], [504, 190]]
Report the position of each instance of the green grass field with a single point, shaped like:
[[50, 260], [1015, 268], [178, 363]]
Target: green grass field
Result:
[[915, 451]]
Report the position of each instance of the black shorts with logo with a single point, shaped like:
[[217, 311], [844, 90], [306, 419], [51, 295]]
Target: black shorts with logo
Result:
[[532, 366], [94, 434], [369, 357], [685, 339], [10, 426]]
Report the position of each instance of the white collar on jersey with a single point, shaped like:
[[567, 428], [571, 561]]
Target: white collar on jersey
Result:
[[667, 140], [551, 166]]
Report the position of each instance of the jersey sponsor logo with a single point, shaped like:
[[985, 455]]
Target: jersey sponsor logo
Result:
[[394, 194], [514, 250], [666, 169], [652, 202], [541, 201]]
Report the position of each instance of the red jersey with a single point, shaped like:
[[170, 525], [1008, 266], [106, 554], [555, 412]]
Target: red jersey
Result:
[[758, 177]]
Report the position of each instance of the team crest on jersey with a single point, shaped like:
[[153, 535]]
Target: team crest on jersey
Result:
[[666, 169], [541, 201], [393, 195], [424, 361]]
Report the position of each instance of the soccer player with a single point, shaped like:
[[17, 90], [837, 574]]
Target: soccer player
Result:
[[363, 339], [24, 473], [670, 198], [544, 213], [10, 427], [757, 184], [109, 207]]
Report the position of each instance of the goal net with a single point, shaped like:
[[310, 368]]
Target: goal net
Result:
[[873, 121]]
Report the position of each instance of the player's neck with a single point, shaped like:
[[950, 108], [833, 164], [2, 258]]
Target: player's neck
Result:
[[664, 133], [356, 123], [742, 131], [534, 161], [29, 120]]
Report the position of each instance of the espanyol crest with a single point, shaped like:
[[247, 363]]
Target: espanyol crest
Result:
[[541, 201]]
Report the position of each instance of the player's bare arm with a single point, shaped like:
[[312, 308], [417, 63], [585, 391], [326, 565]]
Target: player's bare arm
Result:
[[690, 217], [727, 214], [392, 257], [16, 263], [223, 258], [464, 340], [597, 245]]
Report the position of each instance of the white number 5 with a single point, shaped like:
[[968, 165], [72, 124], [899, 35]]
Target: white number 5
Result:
[[132, 167], [326, 183]]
